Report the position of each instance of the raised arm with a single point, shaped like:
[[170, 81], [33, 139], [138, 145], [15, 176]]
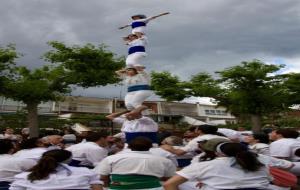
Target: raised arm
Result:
[[114, 115], [122, 27], [121, 72], [156, 16]]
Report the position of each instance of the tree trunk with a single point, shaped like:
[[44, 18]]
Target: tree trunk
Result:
[[32, 119], [256, 123]]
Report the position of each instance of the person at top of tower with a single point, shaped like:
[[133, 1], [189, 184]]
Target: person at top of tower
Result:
[[136, 48], [140, 21]]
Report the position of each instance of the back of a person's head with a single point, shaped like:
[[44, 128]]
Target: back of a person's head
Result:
[[246, 159], [48, 164], [140, 144], [30, 143], [261, 137], [288, 133], [95, 136], [207, 129], [6, 146]]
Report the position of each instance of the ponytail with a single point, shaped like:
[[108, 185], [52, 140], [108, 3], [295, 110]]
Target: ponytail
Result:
[[247, 160], [43, 169], [48, 164]]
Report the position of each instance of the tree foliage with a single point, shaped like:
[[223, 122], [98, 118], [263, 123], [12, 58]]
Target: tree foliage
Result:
[[86, 65], [168, 86]]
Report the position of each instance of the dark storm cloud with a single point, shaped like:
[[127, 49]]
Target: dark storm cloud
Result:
[[198, 35]]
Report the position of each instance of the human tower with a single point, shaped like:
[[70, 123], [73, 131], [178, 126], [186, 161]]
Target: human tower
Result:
[[134, 74]]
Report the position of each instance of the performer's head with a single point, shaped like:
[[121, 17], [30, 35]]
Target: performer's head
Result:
[[131, 71], [139, 16]]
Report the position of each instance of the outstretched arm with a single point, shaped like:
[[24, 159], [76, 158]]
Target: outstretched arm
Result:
[[156, 16], [122, 27], [121, 72], [114, 115]]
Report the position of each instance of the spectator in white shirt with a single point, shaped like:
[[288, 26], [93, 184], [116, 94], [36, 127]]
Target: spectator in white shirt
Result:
[[205, 132], [10, 165], [136, 168], [258, 143], [234, 168], [53, 173], [284, 144], [32, 148], [89, 153]]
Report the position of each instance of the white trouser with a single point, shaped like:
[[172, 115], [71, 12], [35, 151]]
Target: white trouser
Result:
[[136, 98], [135, 58]]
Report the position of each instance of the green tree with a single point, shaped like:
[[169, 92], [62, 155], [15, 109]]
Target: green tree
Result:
[[168, 86], [33, 87], [254, 90], [87, 65], [84, 66], [293, 85], [8, 55], [250, 89]]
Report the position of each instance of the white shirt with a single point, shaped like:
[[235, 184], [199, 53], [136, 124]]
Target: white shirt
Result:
[[66, 177], [260, 148], [193, 144], [219, 174], [34, 153], [285, 148], [142, 78], [274, 162], [138, 42], [89, 153], [143, 124], [230, 133], [136, 162], [163, 153], [11, 166]]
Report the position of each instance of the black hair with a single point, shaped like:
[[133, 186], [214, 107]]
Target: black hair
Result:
[[48, 164], [95, 136], [192, 129], [207, 129], [140, 144], [6, 145], [246, 159], [261, 137], [288, 133], [30, 143]]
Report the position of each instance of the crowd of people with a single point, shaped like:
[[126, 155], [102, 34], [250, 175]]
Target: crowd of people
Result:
[[204, 157]]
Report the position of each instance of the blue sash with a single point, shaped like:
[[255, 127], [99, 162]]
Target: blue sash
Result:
[[184, 162], [150, 135], [137, 24], [136, 49], [4, 185], [76, 163], [138, 87]]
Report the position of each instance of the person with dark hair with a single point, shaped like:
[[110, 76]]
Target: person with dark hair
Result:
[[89, 153], [10, 165], [33, 148], [258, 143], [136, 168], [205, 132], [140, 21], [53, 173], [234, 168], [284, 144]]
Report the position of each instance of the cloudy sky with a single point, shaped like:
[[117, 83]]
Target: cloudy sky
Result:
[[198, 36]]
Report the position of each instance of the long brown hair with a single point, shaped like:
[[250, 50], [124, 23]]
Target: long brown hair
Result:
[[48, 163]]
